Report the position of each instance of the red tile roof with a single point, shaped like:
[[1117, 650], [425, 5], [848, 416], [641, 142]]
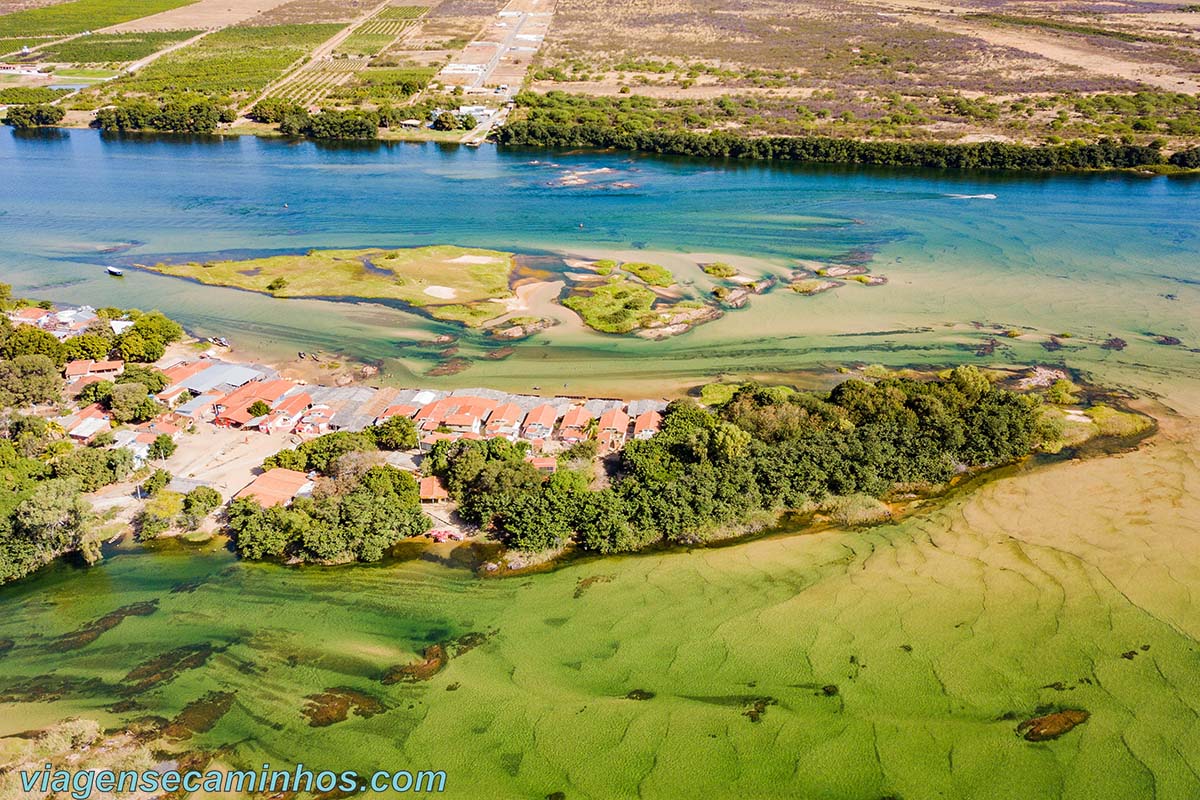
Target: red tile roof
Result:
[[647, 422], [543, 415], [432, 489], [275, 487], [505, 414], [614, 420], [577, 417]]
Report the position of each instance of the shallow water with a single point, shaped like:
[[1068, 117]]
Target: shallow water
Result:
[[938, 632]]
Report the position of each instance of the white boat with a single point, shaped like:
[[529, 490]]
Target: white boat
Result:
[[115, 272]]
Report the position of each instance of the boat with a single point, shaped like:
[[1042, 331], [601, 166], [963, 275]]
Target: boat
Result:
[[115, 272]]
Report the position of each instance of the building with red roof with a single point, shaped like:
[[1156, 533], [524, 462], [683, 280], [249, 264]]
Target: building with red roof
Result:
[[647, 424], [432, 490], [276, 487], [539, 422], [505, 420], [574, 425]]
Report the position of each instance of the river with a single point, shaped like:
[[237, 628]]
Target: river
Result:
[[937, 631]]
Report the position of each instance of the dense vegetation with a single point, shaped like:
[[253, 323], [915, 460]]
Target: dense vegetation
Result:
[[614, 307], [179, 115], [27, 116], [764, 451], [818, 149], [42, 480], [736, 128], [79, 15], [362, 509], [103, 48], [29, 95], [232, 61]]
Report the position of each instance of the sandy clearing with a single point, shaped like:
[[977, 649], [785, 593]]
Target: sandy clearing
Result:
[[442, 292], [473, 260], [207, 14], [1060, 49]]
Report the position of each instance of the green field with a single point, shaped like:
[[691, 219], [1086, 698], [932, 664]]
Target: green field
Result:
[[652, 274], [614, 307], [28, 95], [361, 43], [230, 61], [104, 48], [451, 283], [80, 15]]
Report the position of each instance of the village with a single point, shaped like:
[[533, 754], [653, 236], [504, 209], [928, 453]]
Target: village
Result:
[[225, 417]]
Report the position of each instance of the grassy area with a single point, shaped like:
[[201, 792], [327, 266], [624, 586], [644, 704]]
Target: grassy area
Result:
[[79, 16], [382, 85], [233, 61], [451, 283], [652, 274], [615, 307], [1112, 422], [719, 269], [104, 48], [362, 43]]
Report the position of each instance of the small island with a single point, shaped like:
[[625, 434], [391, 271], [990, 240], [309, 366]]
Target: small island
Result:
[[456, 284]]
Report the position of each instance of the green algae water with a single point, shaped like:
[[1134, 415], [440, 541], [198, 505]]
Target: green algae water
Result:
[[894, 661]]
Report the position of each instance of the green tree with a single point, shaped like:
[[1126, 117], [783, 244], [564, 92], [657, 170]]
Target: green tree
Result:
[[258, 409], [154, 380], [162, 447], [395, 433], [198, 504], [87, 345], [29, 380], [129, 402], [26, 340], [157, 481], [158, 515]]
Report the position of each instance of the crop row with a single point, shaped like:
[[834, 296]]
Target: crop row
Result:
[[314, 82], [78, 16], [104, 48], [230, 61]]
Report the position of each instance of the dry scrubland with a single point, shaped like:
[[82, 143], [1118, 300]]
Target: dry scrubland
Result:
[[888, 68]]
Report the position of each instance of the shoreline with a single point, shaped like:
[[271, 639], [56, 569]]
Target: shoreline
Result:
[[502, 140]]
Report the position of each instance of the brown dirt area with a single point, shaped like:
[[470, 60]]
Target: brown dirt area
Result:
[[205, 14]]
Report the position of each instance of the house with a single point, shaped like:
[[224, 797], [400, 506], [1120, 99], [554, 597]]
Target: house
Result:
[[433, 491], [38, 317], [505, 420], [547, 465], [199, 407], [234, 410], [574, 424], [647, 424], [315, 420], [539, 423], [86, 368], [611, 430], [427, 442], [398, 410], [276, 487], [286, 414], [87, 423]]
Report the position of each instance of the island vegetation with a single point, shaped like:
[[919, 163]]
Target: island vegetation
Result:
[[447, 282]]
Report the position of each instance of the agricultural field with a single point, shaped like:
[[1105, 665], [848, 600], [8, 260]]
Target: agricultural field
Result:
[[234, 62], [78, 16], [880, 68], [28, 95], [107, 48], [313, 82], [377, 33], [307, 12]]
